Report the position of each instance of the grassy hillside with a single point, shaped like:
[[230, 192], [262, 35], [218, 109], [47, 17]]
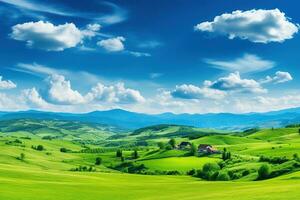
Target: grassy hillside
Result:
[[28, 184], [69, 130], [65, 167]]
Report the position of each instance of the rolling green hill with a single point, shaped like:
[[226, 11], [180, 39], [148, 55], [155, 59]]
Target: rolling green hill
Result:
[[56, 129], [64, 166]]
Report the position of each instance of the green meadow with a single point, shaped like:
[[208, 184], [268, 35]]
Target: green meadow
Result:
[[37, 162]]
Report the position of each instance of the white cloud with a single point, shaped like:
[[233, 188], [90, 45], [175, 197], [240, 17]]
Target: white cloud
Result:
[[34, 8], [139, 54], [112, 44], [114, 94], [280, 77], [260, 26], [194, 92], [50, 37], [234, 82], [34, 99], [91, 30], [155, 75], [6, 84], [150, 44], [245, 64], [60, 91]]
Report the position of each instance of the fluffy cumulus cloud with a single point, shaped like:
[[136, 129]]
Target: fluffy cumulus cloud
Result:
[[260, 26], [6, 84], [117, 93], [60, 91], [280, 77], [50, 37], [245, 64], [234, 82], [112, 44], [194, 92], [33, 99]]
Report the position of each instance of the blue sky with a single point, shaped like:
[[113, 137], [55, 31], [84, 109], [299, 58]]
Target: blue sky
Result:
[[149, 56]]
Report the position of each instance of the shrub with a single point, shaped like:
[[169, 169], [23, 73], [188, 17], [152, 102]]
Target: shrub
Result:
[[193, 150], [98, 161], [223, 176], [191, 172], [22, 156], [168, 147], [161, 145], [296, 157], [135, 154], [209, 171], [246, 172], [226, 155], [64, 150], [172, 142], [273, 160], [264, 172], [40, 147], [18, 141], [119, 153]]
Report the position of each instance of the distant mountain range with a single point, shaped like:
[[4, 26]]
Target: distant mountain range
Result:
[[131, 120]]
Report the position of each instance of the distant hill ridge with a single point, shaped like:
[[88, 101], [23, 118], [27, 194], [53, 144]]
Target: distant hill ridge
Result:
[[132, 120]]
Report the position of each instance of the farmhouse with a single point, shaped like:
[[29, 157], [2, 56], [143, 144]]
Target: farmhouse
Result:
[[206, 148], [184, 145]]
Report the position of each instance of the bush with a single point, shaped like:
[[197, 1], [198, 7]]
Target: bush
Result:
[[135, 154], [38, 147], [83, 169], [172, 142], [98, 161], [161, 145], [193, 150], [18, 141], [168, 147], [21, 157], [64, 150], [246, 172], [119, 153], [209, 171], [273, 160], [223, 176], [192, 172], [264, 172]]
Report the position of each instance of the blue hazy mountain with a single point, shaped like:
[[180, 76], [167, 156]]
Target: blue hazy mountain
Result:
[[132, 120]]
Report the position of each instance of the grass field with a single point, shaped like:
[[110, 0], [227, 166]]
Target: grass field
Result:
[[182, 164], [27, 184], [48, 175]]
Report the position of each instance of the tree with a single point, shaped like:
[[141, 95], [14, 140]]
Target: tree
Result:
[[226, 155], [135, 154], [299, 131], [223, 176], [296, 156], [172, 142], [22, 156], [98, 161], [119, 153], [193, 150], [40, 147], [209, 171], [63, 149], [264, 171], [161, 145]]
